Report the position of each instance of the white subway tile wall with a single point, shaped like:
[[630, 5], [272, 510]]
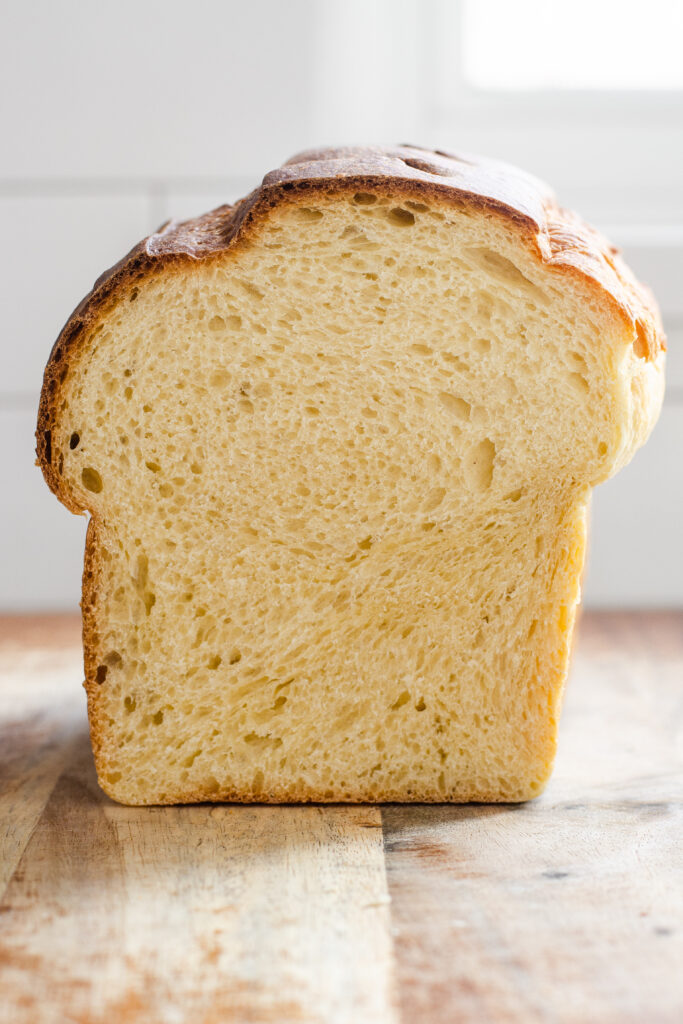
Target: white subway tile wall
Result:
[[118, 118], [635, 551], [41, 544], [143, 90], [54, 248]]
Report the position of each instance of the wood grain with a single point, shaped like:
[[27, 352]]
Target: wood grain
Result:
[[219, 913], [568, 909], [206, 914], [40, 709]]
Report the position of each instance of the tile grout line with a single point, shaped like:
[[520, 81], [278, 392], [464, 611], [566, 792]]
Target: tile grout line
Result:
[[59, 188]]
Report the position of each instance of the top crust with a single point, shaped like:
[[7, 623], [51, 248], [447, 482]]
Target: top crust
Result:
[[555, 236]]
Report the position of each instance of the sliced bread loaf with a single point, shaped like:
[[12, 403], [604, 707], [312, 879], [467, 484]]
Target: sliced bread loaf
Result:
[[337, 444]]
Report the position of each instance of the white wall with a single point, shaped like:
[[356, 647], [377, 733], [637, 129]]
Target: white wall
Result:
[[115, 117]]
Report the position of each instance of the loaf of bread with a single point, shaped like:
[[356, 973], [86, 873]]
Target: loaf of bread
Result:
[[337, 445]]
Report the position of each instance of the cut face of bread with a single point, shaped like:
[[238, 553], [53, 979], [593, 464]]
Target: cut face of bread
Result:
[[338, 445]]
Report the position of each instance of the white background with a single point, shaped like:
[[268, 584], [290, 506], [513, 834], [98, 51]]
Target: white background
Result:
[[117, 116]]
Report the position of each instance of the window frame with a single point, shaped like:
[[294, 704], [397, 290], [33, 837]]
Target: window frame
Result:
[[586, 128]]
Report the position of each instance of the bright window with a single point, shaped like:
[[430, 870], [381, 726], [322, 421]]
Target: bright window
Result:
[[583, 44]]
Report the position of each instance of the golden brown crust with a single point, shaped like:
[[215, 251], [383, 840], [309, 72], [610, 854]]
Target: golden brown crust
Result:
[[91, 568], [556, 237], [292, 795]]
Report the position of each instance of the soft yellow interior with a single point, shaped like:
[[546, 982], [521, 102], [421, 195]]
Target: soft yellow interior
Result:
[[340, 477]]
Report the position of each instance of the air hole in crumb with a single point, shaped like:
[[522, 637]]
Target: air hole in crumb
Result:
[[153, 466], [401, 700], [308, 215], [92, 481], [478, 465], [433, 499], [400, 217], [158, 718], [641, 346], [130, 704], [252, 290], [364, 198], [456, 361], [579, 383], [215, 661], [141, 583], [134, 294], [504, 270], [219, 379], [260, 742], [456, 405], [101, 673], [420, 706], [235, 656], [579, 361], [602, 448], [216, 323], [74, 441]]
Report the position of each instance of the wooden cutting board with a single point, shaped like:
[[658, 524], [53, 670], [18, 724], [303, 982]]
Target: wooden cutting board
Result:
[[567, 909]]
